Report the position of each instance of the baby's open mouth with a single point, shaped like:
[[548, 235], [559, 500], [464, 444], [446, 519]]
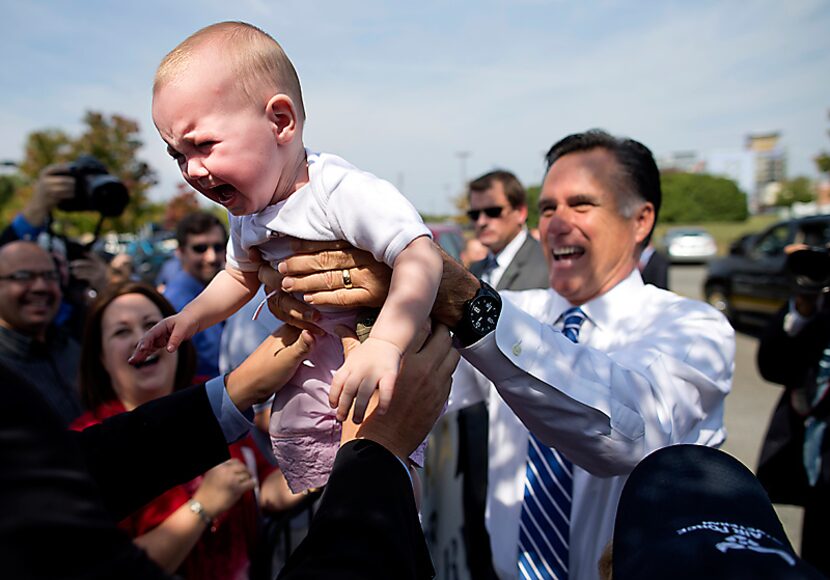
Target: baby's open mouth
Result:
[[223, 193]]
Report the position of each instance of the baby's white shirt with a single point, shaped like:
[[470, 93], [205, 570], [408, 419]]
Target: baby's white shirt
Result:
[[339, 202]]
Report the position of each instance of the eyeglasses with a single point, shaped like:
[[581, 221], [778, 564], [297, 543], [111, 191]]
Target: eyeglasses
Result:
[[202, 248], [490, 212], [28, 276]]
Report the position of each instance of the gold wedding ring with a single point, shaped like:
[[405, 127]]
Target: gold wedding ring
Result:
[[347, 279]]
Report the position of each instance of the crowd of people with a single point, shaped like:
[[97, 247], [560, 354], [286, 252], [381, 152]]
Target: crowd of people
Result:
[[590, 399]]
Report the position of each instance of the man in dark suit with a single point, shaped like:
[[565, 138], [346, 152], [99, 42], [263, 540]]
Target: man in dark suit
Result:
[[498, 210], [61, 492], [654, 268]]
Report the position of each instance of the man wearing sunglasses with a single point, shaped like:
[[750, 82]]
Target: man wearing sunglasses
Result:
[[202, 239], [498, 212], [30, 343]]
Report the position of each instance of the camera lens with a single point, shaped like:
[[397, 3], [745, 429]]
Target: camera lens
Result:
[[107, 195]]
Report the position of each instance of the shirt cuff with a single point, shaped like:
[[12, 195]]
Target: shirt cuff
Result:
[[406, 468], [235, 424], [25, 230]]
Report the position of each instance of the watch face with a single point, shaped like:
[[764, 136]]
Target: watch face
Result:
[[484, 313]]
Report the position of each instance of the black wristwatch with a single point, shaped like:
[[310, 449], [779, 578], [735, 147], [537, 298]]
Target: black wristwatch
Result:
[[479, 316]]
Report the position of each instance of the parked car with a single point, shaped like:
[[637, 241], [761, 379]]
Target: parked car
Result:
[[449, 236], [689, 245], [752, 282]]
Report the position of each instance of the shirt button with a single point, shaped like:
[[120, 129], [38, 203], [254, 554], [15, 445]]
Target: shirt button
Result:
[[517, 348]]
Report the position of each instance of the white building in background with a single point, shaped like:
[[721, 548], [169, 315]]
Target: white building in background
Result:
[[759, 168]]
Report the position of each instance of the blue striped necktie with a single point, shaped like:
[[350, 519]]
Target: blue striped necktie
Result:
[[544, 526]]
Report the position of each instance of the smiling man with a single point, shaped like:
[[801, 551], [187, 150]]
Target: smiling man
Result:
[[30, 295], [201, 252], [600, 368]]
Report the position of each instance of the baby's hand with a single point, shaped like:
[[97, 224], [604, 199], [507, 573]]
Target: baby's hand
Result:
[[170, 332], [373, 364]]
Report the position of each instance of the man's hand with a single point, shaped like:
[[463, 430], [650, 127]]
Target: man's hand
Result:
[[317, 272], [168, 333], [222, 487], [421, 391], [50, 190], [284, 306], [269, 367]]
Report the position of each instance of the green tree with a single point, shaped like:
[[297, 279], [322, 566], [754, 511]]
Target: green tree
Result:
[[798, 190], [533, 206], [114, 141], [9, 184], [697, 198]]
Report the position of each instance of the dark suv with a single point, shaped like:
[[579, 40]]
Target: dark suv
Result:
[[752, 283]]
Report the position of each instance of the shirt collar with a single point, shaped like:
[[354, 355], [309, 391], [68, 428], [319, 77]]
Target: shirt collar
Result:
[[607, 309]]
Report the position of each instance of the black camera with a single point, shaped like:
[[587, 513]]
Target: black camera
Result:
[[810, 268], [95, 189]]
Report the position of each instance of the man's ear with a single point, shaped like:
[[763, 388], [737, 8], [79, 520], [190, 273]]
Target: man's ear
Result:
[[643, 221], [283, 117]]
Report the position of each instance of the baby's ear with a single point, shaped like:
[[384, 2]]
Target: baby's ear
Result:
[[283, 117]]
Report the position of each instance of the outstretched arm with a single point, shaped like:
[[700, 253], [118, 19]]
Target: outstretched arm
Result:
[[229, 290], [315, 271]]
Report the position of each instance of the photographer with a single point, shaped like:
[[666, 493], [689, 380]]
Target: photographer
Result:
[[67, 186], [795, 352]]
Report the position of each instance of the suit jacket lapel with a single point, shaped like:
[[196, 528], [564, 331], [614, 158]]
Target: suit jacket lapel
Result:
[[515, 266]]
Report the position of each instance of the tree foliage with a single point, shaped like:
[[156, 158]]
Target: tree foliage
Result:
[[185, 202], [114, 141], [798, 190], [697, 198], [533, 206]]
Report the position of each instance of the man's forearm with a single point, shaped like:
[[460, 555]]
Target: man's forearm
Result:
[[457, 286]]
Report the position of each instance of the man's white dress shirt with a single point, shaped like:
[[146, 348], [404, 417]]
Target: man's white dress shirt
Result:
[[651, 369]]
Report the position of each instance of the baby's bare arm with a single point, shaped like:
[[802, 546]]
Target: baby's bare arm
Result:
[[229, 291], [415, 279]]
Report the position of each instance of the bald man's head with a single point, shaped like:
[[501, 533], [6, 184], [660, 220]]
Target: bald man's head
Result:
[[30, 292]]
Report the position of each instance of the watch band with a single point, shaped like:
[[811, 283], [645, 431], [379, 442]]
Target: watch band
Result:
[[197, 508], [467, 331]]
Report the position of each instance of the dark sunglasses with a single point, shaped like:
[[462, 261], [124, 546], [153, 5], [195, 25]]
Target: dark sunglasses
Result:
[[202, 248], [490, 212], [27, 276]]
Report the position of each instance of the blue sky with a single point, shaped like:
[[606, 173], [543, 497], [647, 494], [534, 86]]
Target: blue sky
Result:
[[400, 89]]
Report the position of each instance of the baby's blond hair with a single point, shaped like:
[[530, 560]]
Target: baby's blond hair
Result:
[[262, 67]]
